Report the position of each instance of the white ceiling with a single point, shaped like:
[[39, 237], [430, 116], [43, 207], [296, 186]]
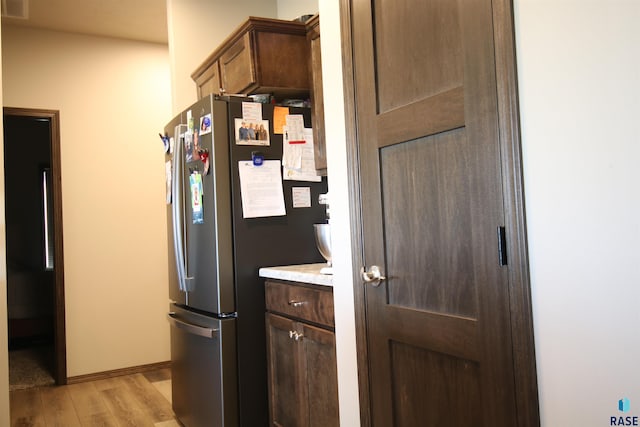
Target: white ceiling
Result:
[[144, 20]]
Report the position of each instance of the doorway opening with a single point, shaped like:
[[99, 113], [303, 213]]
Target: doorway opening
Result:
[[35, 264]]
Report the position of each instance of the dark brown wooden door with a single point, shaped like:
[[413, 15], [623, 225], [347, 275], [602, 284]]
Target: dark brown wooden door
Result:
[[438, 328]]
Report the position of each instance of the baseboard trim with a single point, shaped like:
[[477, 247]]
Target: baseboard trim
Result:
[[118, 372]]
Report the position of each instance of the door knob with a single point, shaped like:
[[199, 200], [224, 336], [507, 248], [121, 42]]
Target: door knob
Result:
[[373, 275]]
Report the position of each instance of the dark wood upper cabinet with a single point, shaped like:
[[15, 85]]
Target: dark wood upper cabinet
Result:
[[209, 80], [261, 56], [317, 102]]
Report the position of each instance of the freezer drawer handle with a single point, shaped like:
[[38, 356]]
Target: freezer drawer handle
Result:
[[192, 329]]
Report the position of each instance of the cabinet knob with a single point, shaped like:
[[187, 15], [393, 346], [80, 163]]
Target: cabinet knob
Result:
[[295, 335]]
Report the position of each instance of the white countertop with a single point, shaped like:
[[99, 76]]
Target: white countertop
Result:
[[305, 273]]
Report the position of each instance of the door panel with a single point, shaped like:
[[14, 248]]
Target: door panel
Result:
[[438, 328], [431, 241], [200, 237], [410, 37], [209, 243], [452, 383]]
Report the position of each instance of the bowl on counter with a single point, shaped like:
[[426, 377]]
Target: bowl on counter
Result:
[[322, 233]]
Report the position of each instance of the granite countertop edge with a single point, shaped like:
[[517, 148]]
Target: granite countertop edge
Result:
[[304, 273]]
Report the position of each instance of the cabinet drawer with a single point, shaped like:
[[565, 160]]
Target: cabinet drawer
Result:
[[302, 302]]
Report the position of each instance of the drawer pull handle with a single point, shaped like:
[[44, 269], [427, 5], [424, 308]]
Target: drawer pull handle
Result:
[[294, 303]]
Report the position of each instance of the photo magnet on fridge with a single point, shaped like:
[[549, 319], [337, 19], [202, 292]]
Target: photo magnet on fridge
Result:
[[252, 132], [195, 181], [205, 124]]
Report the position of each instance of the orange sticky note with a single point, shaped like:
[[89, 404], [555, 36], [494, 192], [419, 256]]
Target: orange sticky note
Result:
[[279, 119]]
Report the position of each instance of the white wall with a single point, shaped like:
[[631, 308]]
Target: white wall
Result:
[[579, 101], [338, 173], [580, 104], [291, 9], [113, 98], [196, 29]]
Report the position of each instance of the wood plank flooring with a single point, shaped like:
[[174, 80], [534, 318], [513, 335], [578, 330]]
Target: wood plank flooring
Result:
[[137, 400]]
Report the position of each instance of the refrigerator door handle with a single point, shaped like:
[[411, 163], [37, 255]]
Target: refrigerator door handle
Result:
[[191, 328], [177, 217]]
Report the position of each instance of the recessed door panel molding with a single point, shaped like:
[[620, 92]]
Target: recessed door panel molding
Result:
[[438, 113]]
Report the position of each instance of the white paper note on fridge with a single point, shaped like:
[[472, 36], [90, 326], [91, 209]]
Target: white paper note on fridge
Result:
[[261, 189], [298, 160]]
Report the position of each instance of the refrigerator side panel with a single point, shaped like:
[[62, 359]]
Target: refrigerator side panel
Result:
[[261, 242]]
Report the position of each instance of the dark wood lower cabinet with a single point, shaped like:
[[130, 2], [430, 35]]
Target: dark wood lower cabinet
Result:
[[321, 377], [303, 382]]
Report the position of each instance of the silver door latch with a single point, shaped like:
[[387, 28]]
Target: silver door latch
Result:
[[373, 275]]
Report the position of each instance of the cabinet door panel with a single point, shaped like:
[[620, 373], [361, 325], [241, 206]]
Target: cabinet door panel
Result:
[[317, 96], [321, 376], [285, 391], [237, 67], [209, 82], [282, 60]]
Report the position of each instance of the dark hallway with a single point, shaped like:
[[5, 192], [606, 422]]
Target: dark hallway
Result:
[[30, 274]]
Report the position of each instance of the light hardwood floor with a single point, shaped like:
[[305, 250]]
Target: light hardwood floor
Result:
[[129, 400]]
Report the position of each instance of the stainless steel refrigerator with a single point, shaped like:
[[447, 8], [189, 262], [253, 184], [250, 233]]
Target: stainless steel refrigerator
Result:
[[217, 307]]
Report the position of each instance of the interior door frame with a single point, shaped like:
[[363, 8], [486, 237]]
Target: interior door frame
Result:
[[60, 340], [511, 160]]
